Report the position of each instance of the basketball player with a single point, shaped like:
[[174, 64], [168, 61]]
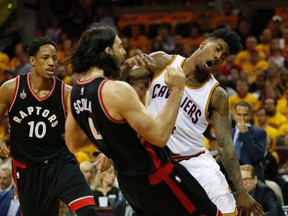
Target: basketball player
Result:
[[43, 168], [102, 107], [203, 99]]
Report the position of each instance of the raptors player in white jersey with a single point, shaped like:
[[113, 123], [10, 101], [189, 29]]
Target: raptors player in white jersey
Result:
[[203, 99]]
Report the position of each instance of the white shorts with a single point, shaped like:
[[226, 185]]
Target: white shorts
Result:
[[207, 172]]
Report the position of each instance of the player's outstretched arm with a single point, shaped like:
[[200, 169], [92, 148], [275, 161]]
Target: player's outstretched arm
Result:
[[6, 92], [125, 104], [222, 124], [142, 59], [143, 72]]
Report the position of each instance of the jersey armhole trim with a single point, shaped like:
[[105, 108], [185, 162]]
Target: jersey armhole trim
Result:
[[64, 102], [209, 100], [14, 93], [105, 110]]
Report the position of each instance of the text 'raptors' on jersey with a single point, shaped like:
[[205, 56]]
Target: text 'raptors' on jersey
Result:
[[39, 111], [38, 122]]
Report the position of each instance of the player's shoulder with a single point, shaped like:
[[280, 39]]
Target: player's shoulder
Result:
[[67, 91], [161, 59], [220, 92], [9, 85], [219, 97], [67, 88], [7, 90], [165, 57], [118, 93], [118, 86], [118, 90]]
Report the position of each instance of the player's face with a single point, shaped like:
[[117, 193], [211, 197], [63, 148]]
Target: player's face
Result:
[[119, 50], [212, 53], [44, 62]]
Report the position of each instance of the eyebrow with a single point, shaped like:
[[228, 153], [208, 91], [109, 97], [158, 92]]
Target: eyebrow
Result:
[[221, 46]]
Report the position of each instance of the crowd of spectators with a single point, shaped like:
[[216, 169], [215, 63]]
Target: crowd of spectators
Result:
[[257, 75]]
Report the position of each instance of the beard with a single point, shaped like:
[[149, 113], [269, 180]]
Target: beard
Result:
[[201, 74], [270, 113], [111, 66]]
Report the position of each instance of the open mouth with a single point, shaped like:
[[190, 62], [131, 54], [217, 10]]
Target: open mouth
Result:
[[50, 70], [209, 64]]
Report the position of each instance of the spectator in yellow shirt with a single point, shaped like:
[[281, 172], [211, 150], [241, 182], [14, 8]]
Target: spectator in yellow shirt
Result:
[[265, 39], [243, 57], [282, 104], [261, 120], [256, 66], [243, 94], [275, 119]]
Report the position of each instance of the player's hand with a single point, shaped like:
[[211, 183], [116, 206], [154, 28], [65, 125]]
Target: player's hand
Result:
[[102, 163], [4, 151], [175, 78], [141, 60], [246, 203]]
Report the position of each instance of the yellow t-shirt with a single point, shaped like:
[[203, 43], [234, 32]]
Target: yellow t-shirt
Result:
[[277, 120], [251, 71], [283, 109], [265, 48], [273, 133], [249, 98], [244, 57]]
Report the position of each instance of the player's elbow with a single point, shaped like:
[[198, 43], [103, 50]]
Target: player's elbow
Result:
[[69, 144], [160, 141]]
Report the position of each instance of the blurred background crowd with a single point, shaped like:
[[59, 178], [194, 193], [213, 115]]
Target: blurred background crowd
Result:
[[257, 75]]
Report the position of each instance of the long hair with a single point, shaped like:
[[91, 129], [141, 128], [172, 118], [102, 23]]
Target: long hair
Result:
[[90, 51]]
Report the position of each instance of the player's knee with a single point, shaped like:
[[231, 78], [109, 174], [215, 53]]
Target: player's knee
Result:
[[87, 211]]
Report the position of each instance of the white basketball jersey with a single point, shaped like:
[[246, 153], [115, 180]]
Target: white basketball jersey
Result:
[[192, 120]]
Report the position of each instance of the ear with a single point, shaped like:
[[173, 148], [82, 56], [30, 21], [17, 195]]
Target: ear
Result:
[[203, 44], [256, 179], [108, 50], [32, 60]]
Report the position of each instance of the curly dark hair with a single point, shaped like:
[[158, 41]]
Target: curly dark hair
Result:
[[35, 44], [230, 37], [90, 51]]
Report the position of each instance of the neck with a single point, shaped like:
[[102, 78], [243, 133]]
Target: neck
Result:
[[93, 72], [40, 83], [194, 77], [189, 70]]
